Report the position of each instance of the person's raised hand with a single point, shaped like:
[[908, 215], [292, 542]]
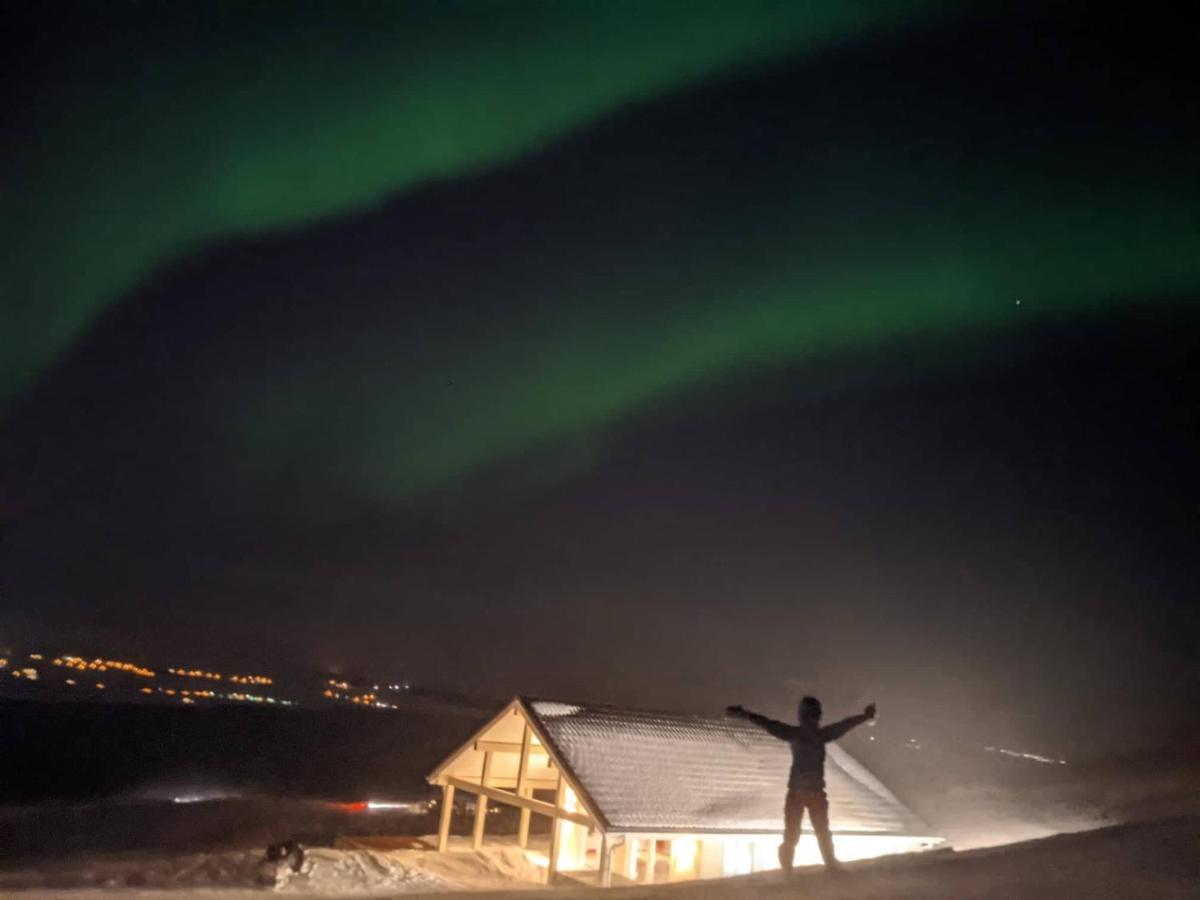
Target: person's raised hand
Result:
[[869, 712]]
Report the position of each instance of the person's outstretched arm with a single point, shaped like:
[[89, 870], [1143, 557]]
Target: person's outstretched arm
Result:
[[773, 727], [838, 729]]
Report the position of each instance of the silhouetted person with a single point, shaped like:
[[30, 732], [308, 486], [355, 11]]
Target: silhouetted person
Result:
[[806, 782]]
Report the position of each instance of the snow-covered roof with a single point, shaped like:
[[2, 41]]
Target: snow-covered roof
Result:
[[645, 771]]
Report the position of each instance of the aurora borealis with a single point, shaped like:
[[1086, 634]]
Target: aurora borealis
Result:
[[773, 259], [653, 309], [145, 133]]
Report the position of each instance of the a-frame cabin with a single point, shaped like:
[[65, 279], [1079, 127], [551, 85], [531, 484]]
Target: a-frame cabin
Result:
[[658, 796]]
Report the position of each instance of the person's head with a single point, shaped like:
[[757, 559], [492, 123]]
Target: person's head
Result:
[[810, 710]]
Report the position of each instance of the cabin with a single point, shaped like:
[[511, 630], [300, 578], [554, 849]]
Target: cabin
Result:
[[640, 796]]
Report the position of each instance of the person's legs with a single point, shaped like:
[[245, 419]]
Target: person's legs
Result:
[[818, 813], [793, 812]]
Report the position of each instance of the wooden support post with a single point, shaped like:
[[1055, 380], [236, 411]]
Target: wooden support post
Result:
[[523, 821], [629, 858], [651, 859], [481, 804], [620, 853], [522, 790], [606, 849], [444, 821], [556, 827]]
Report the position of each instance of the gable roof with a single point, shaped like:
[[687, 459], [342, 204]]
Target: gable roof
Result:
[[641, 771], [651, 771]]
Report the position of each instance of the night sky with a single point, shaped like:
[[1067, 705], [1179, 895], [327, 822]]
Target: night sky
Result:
[[665, 353]]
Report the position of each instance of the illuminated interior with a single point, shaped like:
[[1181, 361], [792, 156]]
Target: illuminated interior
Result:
[[760, 853], [573, 840], [684, 857]]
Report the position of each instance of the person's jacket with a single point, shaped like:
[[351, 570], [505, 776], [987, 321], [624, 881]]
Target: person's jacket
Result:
[[808, 747]]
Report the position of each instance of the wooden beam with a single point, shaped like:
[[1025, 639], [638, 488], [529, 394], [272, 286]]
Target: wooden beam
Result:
[[447, 812], [523, 822], [510, 747], [605, 861], [536, 806], [481, 804], [556, 829], [510, 781], [651, 859], [522, 790]]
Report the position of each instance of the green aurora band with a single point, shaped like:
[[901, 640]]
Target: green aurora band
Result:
[[146, 131], [848, 242], [610, 343]]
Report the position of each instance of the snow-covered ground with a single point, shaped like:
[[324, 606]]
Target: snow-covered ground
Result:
[[1135, 834], [1141, 860], [325, 873], [353, 871]]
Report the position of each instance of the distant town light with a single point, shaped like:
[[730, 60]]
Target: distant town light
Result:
[[1017, 754]]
